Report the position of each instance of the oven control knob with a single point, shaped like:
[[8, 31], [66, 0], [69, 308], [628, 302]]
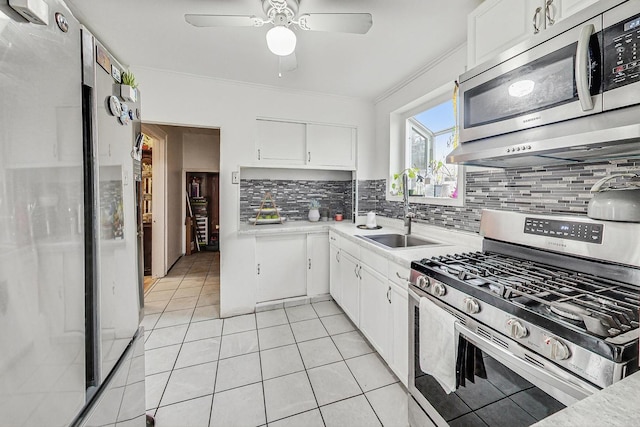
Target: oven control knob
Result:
[[516, 329], [471, 306], [423, 282], [439, 289], [559, 350]]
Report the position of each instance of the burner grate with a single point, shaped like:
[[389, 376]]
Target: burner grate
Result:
[[605, 307]]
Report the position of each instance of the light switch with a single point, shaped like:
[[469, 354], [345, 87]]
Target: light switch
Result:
[[235, 177]]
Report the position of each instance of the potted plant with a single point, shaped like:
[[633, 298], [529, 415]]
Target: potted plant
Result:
[[396, 184], [314, 214], [443, 177], [129, 87]]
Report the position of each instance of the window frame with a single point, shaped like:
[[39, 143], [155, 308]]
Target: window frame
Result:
[[399, 142]]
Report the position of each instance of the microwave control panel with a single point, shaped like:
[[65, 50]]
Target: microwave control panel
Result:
[[620, 47]]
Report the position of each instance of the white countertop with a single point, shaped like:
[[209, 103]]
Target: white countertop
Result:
[[617, 405], [450, 241]]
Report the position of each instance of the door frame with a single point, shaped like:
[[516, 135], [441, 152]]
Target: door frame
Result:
[[158, 203]]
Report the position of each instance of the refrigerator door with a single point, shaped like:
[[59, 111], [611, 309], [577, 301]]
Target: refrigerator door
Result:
[[118, 223], [42, 323]]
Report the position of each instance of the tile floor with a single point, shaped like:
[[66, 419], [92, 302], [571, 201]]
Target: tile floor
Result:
[[299, 366]]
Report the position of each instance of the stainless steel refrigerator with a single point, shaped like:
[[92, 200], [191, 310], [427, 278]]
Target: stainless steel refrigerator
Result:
[[71, 349]]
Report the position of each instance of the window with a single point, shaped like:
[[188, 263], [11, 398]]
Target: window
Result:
[[422, 134], [429, 138]]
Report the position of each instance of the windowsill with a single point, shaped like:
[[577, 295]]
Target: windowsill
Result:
[[442, 201]]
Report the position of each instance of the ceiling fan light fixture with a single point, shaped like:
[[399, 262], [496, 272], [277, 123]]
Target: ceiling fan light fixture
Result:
[[281, 40]]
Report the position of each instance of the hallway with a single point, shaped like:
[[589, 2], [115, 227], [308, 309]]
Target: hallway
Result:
[[301, 365]]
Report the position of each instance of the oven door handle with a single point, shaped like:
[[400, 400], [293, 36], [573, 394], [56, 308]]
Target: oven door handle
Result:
[[526, 369], [582, 68]]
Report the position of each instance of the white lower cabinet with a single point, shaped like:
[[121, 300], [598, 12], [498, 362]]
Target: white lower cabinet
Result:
[[350, 283], [398, 360], [375, 310], [281, 266], [376, 300], [335, 284], [317, 264]]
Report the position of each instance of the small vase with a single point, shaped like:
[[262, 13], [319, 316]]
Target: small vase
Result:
[[314, 215]]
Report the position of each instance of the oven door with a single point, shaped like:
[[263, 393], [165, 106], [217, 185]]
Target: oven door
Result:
[[516, 391], [557, 80]]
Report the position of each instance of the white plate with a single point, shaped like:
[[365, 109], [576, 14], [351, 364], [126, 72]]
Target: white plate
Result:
[[267, 221]]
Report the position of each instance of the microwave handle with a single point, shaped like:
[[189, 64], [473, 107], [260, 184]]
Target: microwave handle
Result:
[[582, 67]]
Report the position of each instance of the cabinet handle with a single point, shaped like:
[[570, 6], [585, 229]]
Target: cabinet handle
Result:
[[309, 157], [258, 154], [355, 271], [550, 9], [309, 263], [536, 20], [389, 295], [400, 277], [338, 256], [258, 269], [360, 272]]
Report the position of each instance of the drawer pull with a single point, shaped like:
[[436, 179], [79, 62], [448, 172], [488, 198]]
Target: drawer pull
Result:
[[400, 277]]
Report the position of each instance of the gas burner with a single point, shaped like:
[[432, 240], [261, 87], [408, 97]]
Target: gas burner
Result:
[[566, 310]]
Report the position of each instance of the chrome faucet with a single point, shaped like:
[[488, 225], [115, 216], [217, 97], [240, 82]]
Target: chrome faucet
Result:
[[405, 197]]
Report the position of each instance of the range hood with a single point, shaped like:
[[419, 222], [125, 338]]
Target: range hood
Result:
[[605, 136]]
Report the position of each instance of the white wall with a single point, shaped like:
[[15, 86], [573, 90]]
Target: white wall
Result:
[[174, 221], [201, 152], [444, 70], [173, 98]]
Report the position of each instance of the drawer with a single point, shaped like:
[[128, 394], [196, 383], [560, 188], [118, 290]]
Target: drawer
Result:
[[373, 260], [398, 274], [349, 247]]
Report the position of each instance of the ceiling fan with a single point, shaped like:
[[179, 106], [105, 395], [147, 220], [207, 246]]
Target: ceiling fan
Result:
[[283, 14]]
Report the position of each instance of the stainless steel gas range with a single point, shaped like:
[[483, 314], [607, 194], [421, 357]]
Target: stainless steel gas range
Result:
[[552, 304]]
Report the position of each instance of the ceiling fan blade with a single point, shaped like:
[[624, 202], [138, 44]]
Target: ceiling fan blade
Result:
[[223, 20], [288, 63], [358, 23]]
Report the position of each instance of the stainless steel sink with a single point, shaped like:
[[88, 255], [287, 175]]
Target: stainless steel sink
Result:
[[395, 241]]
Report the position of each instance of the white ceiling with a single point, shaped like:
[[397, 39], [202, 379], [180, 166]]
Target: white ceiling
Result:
[[406, 35]]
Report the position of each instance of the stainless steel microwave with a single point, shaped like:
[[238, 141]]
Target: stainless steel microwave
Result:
[[559, 98]]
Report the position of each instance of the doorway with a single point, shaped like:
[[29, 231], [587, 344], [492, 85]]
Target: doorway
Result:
[[174, 151], [203, 210]]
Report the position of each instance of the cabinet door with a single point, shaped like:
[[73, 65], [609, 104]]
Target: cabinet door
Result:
[[281, 267], [350, 282], [562, 9], [331, 146], [497, 25], [280, 142], [399, 337], [335, 283], [318, 264], [375, 309]]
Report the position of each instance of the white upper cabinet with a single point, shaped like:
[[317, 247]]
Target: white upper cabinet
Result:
[[317, 146], [331, 146], [280, 142], [497, 25]]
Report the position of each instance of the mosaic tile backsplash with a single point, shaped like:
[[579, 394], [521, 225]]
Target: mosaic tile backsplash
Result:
[[560, 189], [293, 196]]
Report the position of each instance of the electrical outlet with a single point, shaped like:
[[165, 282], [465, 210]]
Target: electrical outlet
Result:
[[235, 177]]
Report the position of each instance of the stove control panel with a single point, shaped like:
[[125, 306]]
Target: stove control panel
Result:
[[571, 230]]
